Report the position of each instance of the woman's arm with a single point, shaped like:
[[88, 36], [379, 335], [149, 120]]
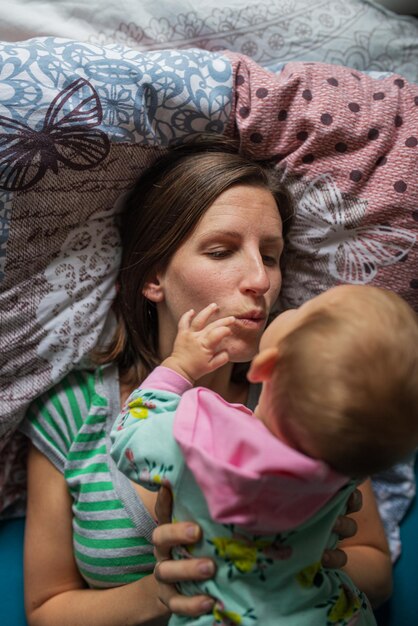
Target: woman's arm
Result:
[[368, 557], [55, 593]]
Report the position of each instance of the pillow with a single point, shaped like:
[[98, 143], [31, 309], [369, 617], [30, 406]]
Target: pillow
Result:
[[78, 122], [358, 33]]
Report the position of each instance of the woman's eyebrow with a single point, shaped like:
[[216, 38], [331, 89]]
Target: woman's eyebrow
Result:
[[234, 234]]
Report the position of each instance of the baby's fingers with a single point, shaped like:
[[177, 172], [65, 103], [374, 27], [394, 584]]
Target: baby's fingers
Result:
[[186, 320], [202, 318], [215, 335], [220, 359]]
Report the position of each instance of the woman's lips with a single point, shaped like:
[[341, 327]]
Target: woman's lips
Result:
[[253, 322]]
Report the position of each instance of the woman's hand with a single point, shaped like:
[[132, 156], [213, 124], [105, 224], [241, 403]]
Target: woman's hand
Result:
[[345, 527], [167, 571]]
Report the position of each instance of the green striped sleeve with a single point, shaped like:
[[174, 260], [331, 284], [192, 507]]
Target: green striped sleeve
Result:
[[54, 419]]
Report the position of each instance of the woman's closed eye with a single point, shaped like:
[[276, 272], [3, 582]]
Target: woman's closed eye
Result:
[[270, 260], [219, 254]]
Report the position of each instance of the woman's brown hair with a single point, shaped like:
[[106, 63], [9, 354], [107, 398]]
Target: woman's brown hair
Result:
[[159, 213]]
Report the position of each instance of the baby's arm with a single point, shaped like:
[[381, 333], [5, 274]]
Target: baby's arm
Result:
[[198, 347]]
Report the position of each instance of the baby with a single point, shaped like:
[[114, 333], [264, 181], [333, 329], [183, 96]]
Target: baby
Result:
[[339, 401]]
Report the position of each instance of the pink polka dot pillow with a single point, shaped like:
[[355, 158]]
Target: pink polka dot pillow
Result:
[[346, 144]]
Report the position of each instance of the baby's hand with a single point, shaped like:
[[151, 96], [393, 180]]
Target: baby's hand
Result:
[[197, 349]]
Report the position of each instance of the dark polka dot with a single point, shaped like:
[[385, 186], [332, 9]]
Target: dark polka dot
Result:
[[356, 76], [414, 283], [244, 111], [341, 147], [411, 142], [399, 83], [282, 115], [382, 160], [307, 95], [332, 81], [326, 119], [400, 186], [256, 137], [403, 258], [416, 101], [415, 216], [373, 134], [308, 158], [262, 92], [354, 107], [355, 175], [302, 135], [278, 157], [240, 80], [379, 95], [398, 121]]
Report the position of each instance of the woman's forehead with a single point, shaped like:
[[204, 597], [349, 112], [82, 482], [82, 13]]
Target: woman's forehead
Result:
[[243, 205]]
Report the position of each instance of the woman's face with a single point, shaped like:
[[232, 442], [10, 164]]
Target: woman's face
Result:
[[231, 258]]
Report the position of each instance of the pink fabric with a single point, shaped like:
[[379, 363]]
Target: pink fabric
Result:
[[166, 379], [248, 476], [352, 142]]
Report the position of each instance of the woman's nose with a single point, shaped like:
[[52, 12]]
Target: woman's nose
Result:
[[255, 276]]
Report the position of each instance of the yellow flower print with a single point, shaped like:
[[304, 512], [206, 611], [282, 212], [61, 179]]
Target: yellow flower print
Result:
[[239, 551], [346, 605], [138, 409], [223, 617], [161, 480], [154, 474], [243, 555], [306, 577]]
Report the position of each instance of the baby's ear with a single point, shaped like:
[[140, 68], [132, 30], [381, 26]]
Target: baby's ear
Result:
[[262, 365]]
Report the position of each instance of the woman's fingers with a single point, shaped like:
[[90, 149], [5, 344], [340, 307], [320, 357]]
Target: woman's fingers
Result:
[[345, 527], [334, 559], [355, 502], [166, 536], [190, 605], [169, 571], [164, 505]]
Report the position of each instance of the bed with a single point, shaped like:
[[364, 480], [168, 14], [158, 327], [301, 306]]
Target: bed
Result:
[[138, 76]]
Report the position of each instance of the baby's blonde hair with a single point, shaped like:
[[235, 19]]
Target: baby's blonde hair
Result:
[[348, 376]]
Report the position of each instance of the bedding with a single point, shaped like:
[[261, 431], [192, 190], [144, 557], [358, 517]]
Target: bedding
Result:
[[361, 34], [80, 117]]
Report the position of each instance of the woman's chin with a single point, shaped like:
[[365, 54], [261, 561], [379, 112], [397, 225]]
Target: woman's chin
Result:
[[242, 352]]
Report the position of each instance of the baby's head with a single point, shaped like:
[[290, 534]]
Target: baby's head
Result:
[[340, 378]]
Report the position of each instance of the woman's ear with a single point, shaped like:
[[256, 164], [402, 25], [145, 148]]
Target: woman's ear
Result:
[[262, 365], [153, 290]]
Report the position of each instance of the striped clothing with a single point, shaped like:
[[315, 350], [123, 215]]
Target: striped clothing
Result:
[[112, 530]]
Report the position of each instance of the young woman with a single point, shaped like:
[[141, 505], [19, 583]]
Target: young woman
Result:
[[203, 224]]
